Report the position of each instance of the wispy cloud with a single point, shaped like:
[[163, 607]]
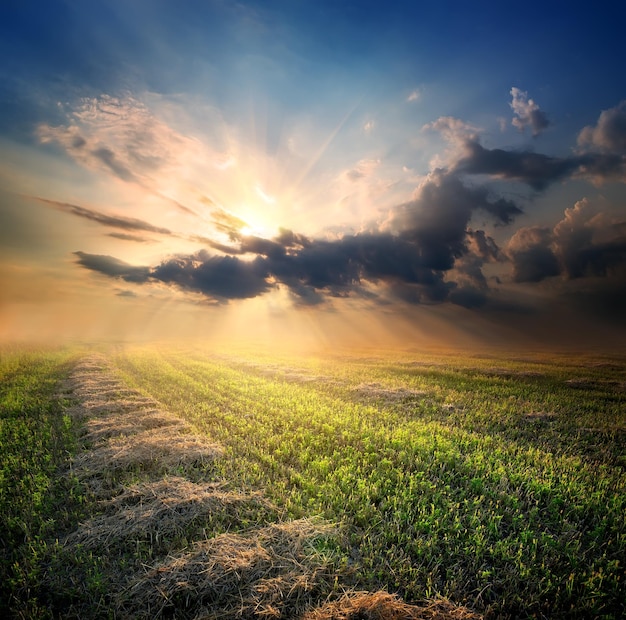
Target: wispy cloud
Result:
[[113, 221], [126, 237], [123, 138], [414, 95]]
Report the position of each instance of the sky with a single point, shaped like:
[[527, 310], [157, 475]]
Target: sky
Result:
[[315, 173]]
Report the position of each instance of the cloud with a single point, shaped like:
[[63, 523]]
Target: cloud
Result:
[[125, 139], [468, 156], [609, 134], [113, 221], [584, 244], [216, 245], [113, 267], [412, 256], [532, 257], [482, 245], [226, 222], [527, 113], [452, 129], [588, 244], [364, 168], [437, 220], [414, 95], [537, 170], [220, 277], [601, 167], [109, 159], [468, 297], [126, 237], [606, 163], [118, 136]]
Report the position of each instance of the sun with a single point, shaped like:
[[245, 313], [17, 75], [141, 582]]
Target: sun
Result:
[[257, 222], [251, 230]]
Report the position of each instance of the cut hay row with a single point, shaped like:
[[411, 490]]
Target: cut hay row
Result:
[[159, 450], [385, 606], [271, 571], [162, 511], [169, 546]]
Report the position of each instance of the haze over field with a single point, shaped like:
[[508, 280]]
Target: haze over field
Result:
[[316, 172]]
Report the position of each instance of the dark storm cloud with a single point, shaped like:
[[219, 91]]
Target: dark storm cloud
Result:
[[601, 167], [114, 221], [113, 267], [409, 257], [224, 277], [323, 269], [536, 170], [583, 244], [289, 239], [426, 252], [265, 247], [532, 257], [601, 156], [342, 264], [437, 220], [539, 171]]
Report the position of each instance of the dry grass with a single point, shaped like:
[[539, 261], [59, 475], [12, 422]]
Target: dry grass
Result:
[[116, 402], [101, 428], [269, 572], [162, 510], [127, 431], [383, 606], [158, 451], [98, 395]]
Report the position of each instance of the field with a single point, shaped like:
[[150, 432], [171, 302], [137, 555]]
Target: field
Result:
[[162, 482]]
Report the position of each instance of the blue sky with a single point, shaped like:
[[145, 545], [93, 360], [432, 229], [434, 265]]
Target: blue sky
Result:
[[418, 168]]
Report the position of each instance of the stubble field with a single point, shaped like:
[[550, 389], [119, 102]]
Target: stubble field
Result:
[[162, 482]]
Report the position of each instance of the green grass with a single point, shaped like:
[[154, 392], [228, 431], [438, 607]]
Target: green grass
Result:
[[496, 484], [36, 438]]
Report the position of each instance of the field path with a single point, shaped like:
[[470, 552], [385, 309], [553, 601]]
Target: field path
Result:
[[165, 539]]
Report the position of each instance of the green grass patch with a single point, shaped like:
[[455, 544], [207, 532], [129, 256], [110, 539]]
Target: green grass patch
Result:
[[36, 439]]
